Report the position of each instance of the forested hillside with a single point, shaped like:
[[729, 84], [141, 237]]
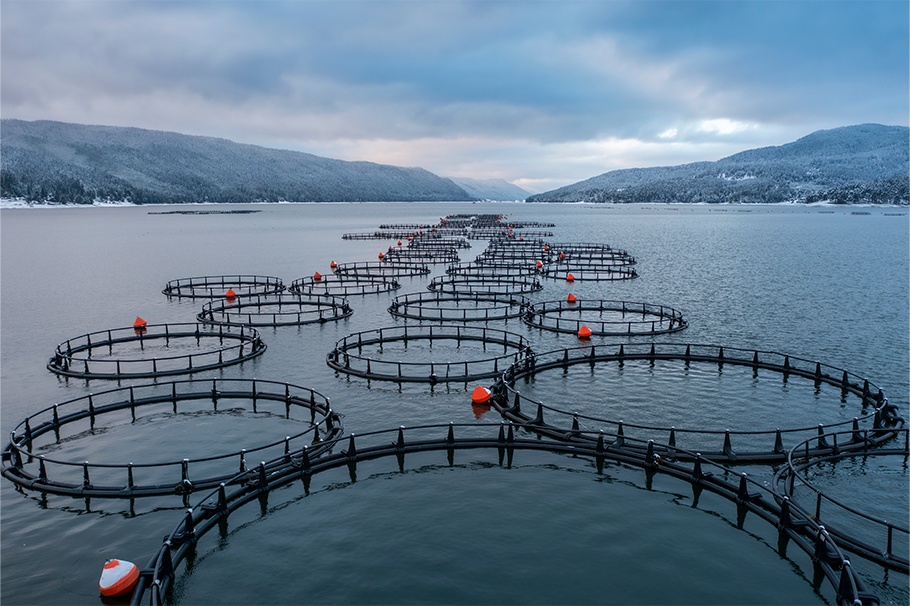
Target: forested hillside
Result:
[[867, 163], [57, 162]]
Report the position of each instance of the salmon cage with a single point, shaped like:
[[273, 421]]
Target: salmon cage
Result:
[[213, 287], [368, 269], [276, 310], [29, 460], [604, 318], [442, 307], [155, 350], [483, 285], [343, 285]]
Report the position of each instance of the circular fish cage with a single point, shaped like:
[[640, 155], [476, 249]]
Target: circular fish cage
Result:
[[212, 510], [425, 255], [597, 274], [212, 287], [440, 307], [420, 340], [29, 461], [702, 373], [871, 535], [491, 270], [379, 269], [155, 350], [343, 285], [276, 310], [604, 318], [439, 241], [471, 286]]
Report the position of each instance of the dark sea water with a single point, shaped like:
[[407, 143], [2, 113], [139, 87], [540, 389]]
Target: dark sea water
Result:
[[550, 529]]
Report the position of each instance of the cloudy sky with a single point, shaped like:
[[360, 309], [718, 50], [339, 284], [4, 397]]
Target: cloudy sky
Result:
[[541, 94]]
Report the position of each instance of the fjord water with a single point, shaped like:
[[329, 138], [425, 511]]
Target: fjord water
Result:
[[817, 283]]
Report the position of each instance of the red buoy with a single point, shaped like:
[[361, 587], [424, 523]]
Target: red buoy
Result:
[[317, 277], [481, 395], [562, 255], [399, 243], [381, 256], [570, 278], [571, 298], [333, 265], [139, 323], [539, 264], [546, 248], [230, 294], [117, 577], [584, 332]]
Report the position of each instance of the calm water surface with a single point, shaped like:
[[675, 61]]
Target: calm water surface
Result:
[[827, 286]]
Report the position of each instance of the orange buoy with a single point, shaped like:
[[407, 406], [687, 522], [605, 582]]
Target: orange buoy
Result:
[[230, 294], [571, 298], [546, 248], [139, 323], [520, 239], [333, 265], [539, 264], [381, 256], [570, 278], [399, 243], [584, 332], [117, 577], [562, 255], [481, 395], [317, 277]]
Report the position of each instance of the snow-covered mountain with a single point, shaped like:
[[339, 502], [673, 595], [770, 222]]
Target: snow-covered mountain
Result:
[[867, 163], [74, 163]]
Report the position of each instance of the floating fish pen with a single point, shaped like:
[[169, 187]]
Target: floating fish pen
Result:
[[472, 221], [149, 351], [343, 285], [30, 459], [884, 542], [406, 226], [417, 340], [428, 256], [472, 286], [497, 244], [595, 274], [378, 235], [874, 419], [440, 307], [491, 269], [276, 310], [604, 318], [212, 287], [516, 256], [367, 269], [795, 525], [442, 242], [527, 224], [489, 233]]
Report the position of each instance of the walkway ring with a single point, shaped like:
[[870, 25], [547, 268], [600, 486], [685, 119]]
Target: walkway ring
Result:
[[343, 360], [343, 285], [651, 319], [73, 357], [276, 310], [19, 461], [599, 274], [881, 420], [470, 286], [213, 287], [382, 270], [431, 306]]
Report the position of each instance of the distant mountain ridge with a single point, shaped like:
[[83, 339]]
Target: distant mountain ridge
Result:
[[491, 189], [45, 161], [867, 163]]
